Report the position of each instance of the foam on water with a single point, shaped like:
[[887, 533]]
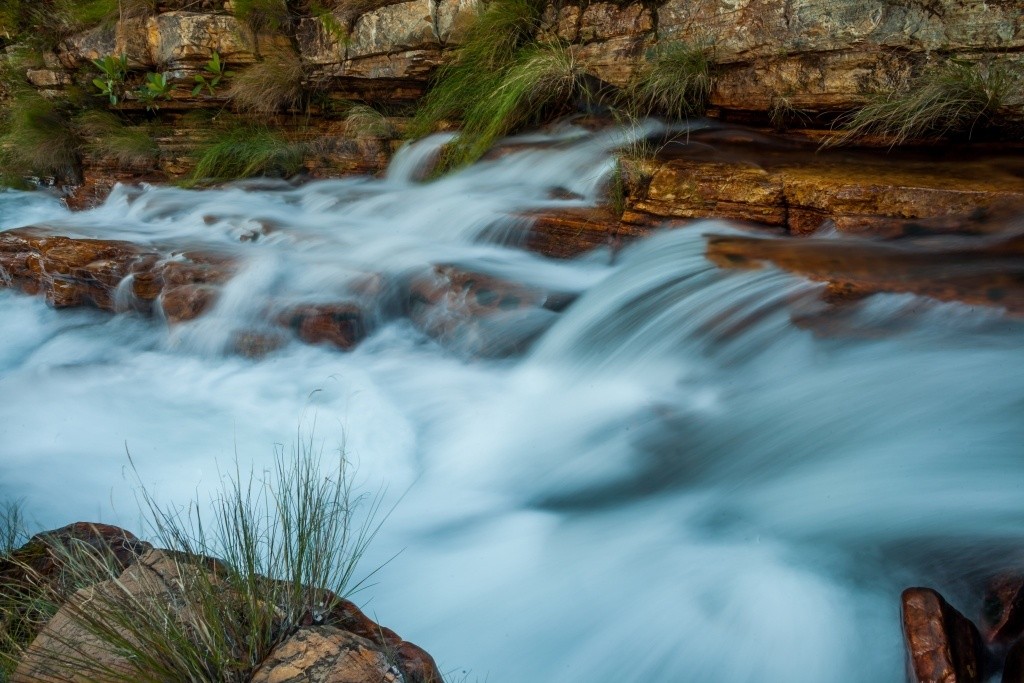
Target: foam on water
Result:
[[676, 483]]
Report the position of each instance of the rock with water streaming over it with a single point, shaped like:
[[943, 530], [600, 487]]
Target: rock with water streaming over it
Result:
[[943, 645]]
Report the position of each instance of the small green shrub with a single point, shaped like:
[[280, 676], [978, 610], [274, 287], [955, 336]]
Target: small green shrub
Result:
[[674, 81], [111, 82], [952, 98], [155, 87], [106, 135], [38, 138], [269, 86], [244, 151], [216, 70]]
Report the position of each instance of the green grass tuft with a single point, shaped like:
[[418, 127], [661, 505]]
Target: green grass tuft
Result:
[[537, 86], [675, 81], [106, 135], [38, 138], [245, 151], [269, 86], [953, 98], [490, 47], [362, 120]]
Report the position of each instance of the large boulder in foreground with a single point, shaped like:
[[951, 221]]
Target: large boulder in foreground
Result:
[[153, 608]]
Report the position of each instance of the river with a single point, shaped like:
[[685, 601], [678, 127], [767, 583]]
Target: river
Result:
[[676, 482]]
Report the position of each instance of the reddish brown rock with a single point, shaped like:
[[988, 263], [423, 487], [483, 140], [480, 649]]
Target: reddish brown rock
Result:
[[324, 654], [342, 325], [975, 270], [1003, 609], [570, 232], [943, 645], [187, 302]]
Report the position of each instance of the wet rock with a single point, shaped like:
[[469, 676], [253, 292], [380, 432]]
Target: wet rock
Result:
[[187, 302], [943, 645], [566, 233], [976, 270], [1013, 668], [342, 325], [1003, 609], [856, 195]]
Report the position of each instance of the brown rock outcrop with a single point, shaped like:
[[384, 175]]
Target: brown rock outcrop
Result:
[[344, 646], [943, 645]]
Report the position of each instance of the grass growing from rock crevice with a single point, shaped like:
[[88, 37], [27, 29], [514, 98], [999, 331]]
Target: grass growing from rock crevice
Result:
[[243, 150], [953, 98], [674, 81], [106, 135], [269, 86], [288, 542], [38, 138]]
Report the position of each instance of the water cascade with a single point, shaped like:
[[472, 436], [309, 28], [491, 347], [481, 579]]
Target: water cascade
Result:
[[666, 474]]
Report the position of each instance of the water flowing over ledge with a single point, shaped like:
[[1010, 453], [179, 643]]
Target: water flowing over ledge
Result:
[[674, 471]]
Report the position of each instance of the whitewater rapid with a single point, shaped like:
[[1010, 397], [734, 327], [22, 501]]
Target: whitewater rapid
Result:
[[677, 482]]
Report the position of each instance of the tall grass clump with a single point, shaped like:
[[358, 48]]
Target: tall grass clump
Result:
[[13, 528], [362, 120], [288, 542], [244, 151], [491, 47], [500, 81], [106, 135], [674, 81], [269, 86], [38, 138], [952, 98]]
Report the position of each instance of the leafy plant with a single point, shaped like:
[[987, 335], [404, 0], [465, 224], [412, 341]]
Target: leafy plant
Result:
[[243, 151], [155, 87], [675, 81], [111, 83], [951, 98], [216, 70], [268, 86]]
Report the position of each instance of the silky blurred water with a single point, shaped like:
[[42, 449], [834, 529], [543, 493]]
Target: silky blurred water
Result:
[[677, 482]]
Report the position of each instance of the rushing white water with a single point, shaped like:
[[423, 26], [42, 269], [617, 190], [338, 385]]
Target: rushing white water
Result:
[[676, 483]]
